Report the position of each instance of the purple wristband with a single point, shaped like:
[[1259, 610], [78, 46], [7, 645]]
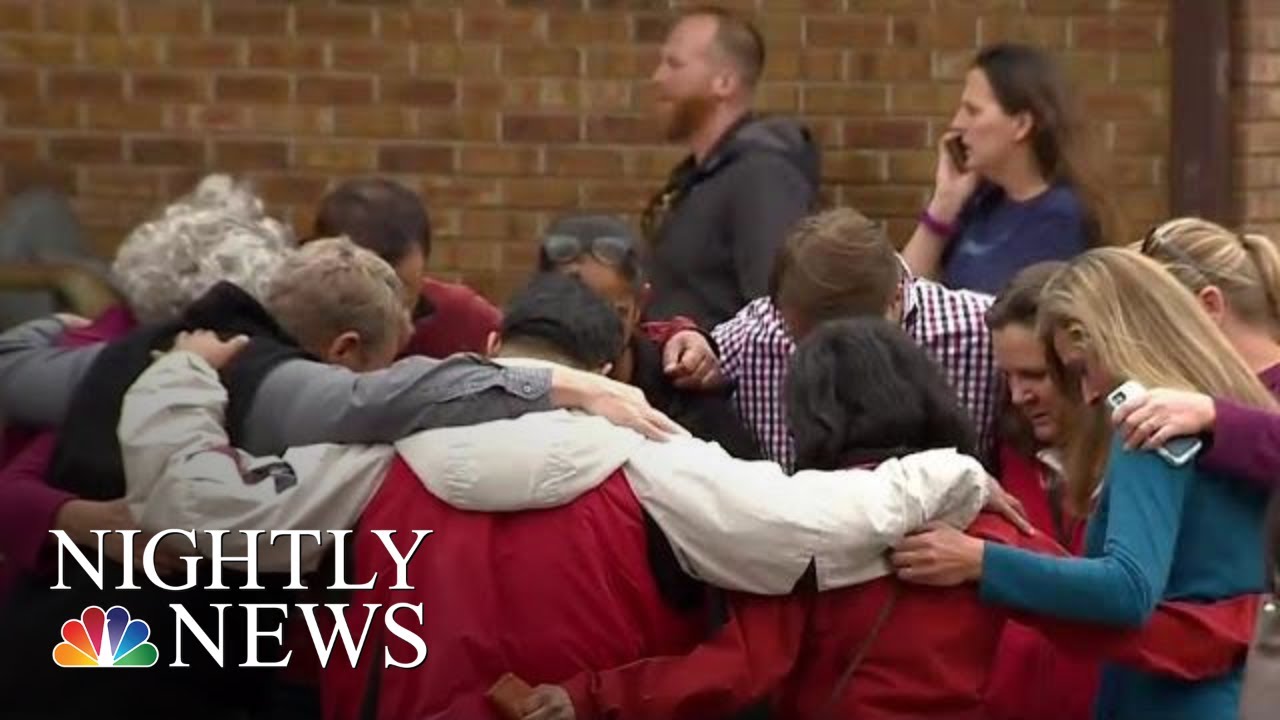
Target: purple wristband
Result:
[[936, 226]]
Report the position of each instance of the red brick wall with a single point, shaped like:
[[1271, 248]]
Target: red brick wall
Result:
[[1257, 77], [505, 112]]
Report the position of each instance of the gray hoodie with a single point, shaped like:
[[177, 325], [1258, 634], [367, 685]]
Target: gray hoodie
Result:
[[712, 247]]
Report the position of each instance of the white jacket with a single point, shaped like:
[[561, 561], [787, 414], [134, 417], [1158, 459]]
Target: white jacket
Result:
[[738, 524], [182, 473]]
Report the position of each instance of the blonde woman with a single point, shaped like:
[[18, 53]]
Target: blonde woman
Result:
[[1158, 532], [1236, 278]]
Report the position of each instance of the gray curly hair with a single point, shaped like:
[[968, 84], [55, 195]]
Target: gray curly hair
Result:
[[217, 232]]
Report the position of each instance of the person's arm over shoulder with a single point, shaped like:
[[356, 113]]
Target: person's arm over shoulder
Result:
[[1121, 586], [748, 526], [537, 461], [746, 660], [1190, 641], [303, 402], [770, 196], [37, 378], [1245, 444], [183, 473], [28, 506]]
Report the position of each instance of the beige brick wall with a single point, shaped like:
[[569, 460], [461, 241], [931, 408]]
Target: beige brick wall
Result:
[[503, 113], [1257, 91]]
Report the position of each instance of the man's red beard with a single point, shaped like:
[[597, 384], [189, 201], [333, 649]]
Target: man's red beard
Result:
[[686, 116]]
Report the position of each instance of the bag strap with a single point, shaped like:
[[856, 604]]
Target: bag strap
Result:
[[833, 701]]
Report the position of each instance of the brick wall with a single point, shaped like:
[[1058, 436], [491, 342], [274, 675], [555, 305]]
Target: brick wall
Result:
[[503, 113], [1257, 90]]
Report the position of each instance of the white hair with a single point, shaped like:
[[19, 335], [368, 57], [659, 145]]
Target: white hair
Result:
[[216, 233]]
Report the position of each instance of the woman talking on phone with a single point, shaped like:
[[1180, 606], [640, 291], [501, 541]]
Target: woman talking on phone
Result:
[[1011, 189], [1159, 530]]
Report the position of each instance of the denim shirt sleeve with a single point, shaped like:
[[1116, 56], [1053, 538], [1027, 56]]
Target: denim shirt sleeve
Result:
[[302, 402]]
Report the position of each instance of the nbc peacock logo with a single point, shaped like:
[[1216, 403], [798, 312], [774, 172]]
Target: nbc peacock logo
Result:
[[105, 639]]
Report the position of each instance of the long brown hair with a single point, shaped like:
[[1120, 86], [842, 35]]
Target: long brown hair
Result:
[[1026, 79], [1135, 320]]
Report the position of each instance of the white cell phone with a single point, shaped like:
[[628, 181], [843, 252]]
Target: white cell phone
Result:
[[1176, 451]]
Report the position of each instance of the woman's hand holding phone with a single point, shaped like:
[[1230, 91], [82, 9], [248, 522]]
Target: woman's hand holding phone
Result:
[[953, 181]]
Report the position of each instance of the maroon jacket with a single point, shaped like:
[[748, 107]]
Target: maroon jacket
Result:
[[28, 506], [1246, 441], [459, 320]]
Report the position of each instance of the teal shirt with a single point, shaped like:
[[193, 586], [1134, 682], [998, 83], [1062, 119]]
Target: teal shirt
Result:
[[1159, 533]]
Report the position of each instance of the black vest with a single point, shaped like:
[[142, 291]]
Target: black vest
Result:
[[87, 462]]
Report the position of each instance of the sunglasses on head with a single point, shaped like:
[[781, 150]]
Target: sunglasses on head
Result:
[[1167, 253], [1152, 241], [611, 250]]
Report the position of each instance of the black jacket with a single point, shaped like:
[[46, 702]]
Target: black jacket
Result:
[[87, 461], [714, 229], [708, 415]]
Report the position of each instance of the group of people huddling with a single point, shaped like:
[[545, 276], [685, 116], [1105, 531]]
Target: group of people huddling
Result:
[[599, 525], [855, 493]]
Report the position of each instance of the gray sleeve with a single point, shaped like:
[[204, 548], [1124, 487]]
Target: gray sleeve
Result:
[[303, 402], [38, 379]]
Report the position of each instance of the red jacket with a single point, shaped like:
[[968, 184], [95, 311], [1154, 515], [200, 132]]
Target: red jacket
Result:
[[932, 658], [1031, 678], [460, 321], [929, 660], [544, 594]]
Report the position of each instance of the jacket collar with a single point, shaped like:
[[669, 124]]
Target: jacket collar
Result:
[[690, 169]]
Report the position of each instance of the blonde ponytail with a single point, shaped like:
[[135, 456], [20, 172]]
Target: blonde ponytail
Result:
[[1244, 268], [1265, 255]]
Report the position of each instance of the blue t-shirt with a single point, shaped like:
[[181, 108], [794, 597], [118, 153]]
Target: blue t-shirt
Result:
[[998, 237]]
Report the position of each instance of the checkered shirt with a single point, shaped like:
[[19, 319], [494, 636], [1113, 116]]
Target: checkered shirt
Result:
[[755, 350]]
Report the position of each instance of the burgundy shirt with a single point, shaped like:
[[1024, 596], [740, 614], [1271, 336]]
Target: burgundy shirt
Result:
[[1246, 441], [28, 505], [460, 321]]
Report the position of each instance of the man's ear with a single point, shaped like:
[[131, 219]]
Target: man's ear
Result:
[[346, 349], [894, 312], [725, 83], [493, 344]]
